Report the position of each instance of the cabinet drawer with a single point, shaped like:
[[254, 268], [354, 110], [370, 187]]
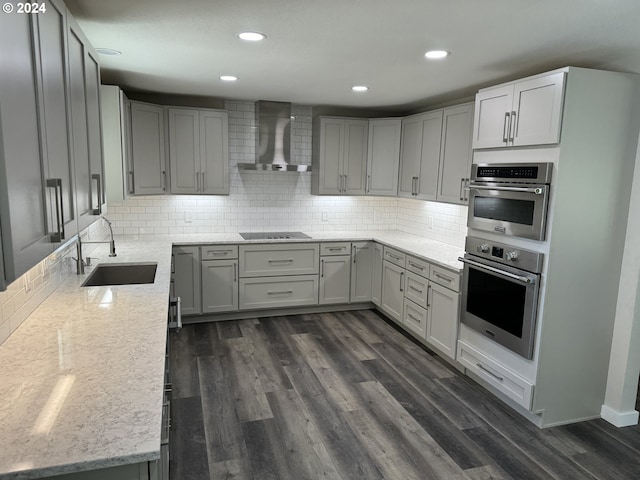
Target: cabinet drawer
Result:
[[335, 248], [445, 277], [273, 292], [496, 374], [414, 317], [218, 252], [415, 265], [394, 256], [416, 289], [279, 259]]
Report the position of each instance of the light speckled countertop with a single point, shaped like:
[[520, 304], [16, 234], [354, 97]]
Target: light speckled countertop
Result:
[[82, 377]]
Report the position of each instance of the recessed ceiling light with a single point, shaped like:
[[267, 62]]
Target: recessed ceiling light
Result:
[[252, 36], [108, 51], [359, 88], [228, 78], [436, 54]]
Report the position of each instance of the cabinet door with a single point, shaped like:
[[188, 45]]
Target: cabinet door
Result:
[[334, 279], [442, 326], [491, 117], [427, 182], [53, 71], [219, 286], [186, 278], [184, 151], [383, 156], [411, 147], [361, 271], [331, 139], [214, 152], [392, 290], [23, 215], [455, 154], [376, 277], [94, 127], [147, 138], [79, 123], [355, 156], [414, 318], [538, 110]]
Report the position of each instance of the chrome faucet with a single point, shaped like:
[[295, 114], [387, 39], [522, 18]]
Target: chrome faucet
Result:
[[80, 262]]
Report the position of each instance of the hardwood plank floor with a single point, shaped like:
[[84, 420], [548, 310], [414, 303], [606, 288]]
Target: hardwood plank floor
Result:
[[348, 395]]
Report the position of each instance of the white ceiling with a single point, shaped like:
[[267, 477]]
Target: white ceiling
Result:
[[317, 49]]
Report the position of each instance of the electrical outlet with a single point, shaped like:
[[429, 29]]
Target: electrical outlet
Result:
[[188, 216], [325, 216]]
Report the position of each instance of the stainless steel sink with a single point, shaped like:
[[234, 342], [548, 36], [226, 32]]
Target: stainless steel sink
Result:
[[121, 274]]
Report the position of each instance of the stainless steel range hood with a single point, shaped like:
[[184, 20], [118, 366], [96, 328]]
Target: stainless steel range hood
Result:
[[273, 139]]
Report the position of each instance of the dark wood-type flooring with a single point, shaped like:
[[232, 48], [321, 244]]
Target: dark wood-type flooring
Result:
[[348, 396]]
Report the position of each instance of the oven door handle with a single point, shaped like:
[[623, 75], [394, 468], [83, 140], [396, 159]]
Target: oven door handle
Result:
[[536, 190], [497, 270]]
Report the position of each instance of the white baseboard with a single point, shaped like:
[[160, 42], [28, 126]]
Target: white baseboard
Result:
[[619, 419]]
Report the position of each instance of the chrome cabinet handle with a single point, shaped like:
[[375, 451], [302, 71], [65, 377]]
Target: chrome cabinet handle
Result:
[[279, 292], [354, 253], [56, 183], [536, 190], [322, 267], [197, 181], [462, 189], [413, 318], [415, 266], [466, 190], [345, 184], [334, 249], [443, 277], [277, 260], [506, 127], [164, 180], [497, 270], [131, 189], [173, 263], [96, 176], [368, 186], [203, 184], [235, 275], [512, 127], [393, 256], [417, 185], [415, 289], [428, 292], [484, 369], [401, 276]]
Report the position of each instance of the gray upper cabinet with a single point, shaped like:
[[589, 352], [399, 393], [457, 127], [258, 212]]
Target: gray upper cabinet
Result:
[[383, 156], [147, 160], [420, 155], [51, 46], [521, 113], [84, 96], [198, 151], [455, 154], [339, 156], [24, 217]]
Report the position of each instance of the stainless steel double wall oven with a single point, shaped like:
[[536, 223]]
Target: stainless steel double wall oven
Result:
[[501, 282]]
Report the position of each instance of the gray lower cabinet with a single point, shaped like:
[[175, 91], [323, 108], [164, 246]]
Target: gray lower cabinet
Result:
[[442, 326], [219, 286], [393, 286], [415, 318], [335, 272], [266, 260], [376, 275], [147, 151], [361, 271], [186, 277], [273, 292]]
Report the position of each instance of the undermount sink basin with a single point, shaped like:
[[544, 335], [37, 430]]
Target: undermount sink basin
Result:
[[121, 274]]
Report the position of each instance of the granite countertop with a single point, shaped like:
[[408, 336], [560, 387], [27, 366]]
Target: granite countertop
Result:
[[83, 376]]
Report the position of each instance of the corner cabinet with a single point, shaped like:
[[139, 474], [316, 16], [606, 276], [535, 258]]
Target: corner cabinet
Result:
[[198, 151], [383, 156], [147, 173], [339, 156], [521, 113]]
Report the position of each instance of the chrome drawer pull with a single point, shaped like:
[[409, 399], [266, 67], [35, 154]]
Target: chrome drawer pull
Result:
[[413, 318], [280, 292], [416, 266], [280, 260], [442, 277], [415, 289], [393, 256], [333, 249], [497, 377], [218, 252]]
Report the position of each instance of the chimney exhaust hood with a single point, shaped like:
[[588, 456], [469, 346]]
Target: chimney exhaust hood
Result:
[[273, 139]]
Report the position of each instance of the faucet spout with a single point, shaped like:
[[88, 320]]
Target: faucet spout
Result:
[[112, 244]]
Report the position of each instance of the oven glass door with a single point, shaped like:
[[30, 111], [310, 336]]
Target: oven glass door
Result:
[[501, 306], [516, 211]]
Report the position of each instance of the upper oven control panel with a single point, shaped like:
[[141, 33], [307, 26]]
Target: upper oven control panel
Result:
[[505, 254], [512, 172]]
